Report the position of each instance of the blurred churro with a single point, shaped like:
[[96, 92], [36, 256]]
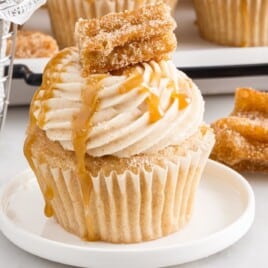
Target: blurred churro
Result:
[[32, 44], [242, 138]]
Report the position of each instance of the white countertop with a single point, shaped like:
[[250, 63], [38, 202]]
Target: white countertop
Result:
[[250, 251]]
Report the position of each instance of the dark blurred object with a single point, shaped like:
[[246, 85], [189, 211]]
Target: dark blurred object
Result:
[[21, 71]]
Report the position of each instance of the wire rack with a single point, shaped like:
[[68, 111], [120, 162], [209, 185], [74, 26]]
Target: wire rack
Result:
[[8, 33]]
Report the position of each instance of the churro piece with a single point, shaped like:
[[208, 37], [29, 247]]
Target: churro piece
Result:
[[32, 44], [117, 40], [242, 138]]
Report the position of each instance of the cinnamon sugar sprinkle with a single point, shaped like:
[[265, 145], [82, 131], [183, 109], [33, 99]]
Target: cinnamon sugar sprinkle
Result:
[[117, 40]]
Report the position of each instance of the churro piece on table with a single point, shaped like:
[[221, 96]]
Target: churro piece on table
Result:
[[118, 40], [242, 138]]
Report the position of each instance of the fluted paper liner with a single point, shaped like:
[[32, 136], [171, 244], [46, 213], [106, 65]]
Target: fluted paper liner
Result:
[[65, 13], [234, 23], [129, 207]]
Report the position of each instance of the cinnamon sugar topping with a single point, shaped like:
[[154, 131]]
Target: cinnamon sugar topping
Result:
[[117, 40]]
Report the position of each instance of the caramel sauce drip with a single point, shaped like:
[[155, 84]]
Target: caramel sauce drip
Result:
[[81, 126], [155, 78], [49, 79], [183, 100], [155, 111], [153, 100], [49, 195], [133, 82], [48, 210]]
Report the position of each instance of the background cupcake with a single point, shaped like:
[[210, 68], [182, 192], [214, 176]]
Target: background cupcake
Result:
[[65, 13], [233, 22]]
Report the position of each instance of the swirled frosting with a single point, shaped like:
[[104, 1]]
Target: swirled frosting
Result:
[[140, 110]]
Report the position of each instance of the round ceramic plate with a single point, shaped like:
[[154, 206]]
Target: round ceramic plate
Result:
[[224, 211]]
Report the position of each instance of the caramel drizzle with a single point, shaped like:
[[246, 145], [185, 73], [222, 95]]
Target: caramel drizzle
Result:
[[156, 77], [153, 103], [49, 79], [49, 195], [136, 80], [133, 82], [183, 99], [81, 126]]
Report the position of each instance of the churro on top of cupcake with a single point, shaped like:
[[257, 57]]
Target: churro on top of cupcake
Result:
[[118, 40]]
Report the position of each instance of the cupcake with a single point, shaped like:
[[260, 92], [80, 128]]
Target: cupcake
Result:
[[233, 22], [119, 154], [64, 13]]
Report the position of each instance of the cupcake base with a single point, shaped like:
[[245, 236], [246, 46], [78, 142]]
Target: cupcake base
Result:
[[125, 200]]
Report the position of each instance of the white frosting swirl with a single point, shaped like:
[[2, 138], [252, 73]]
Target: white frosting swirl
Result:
[[121, 125]]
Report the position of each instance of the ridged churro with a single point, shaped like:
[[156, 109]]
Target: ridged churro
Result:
[[121, 39], [242, 138]]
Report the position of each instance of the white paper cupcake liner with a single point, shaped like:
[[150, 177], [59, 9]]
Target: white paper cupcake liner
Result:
[[65, 13], [129, 207], [233, 22]]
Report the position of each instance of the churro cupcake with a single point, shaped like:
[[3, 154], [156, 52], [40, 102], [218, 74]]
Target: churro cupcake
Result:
[[119, 154], [233, 22], [65, 13]]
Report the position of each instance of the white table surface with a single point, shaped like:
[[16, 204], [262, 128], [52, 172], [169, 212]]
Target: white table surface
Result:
[[250, 251]]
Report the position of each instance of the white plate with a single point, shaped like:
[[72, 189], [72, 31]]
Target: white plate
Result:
[[223, 213]]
